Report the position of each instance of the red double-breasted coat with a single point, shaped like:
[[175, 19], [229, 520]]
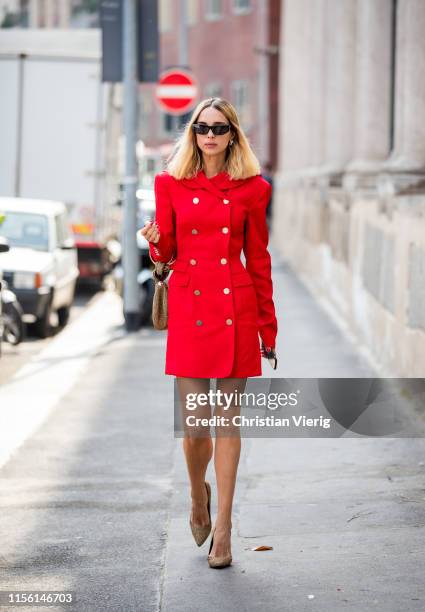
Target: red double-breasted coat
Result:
[[218, 309]]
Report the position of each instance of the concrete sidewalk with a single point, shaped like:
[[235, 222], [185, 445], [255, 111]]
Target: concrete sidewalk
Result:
[[97, 499], [345, 517], [309, 343]]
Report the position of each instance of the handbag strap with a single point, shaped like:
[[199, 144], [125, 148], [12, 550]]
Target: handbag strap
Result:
[[162, 269]]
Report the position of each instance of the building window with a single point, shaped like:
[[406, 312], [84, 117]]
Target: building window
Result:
[[192, 11], [165, 15], [213, 10], [240, 97], [241, 7], [213, 90]]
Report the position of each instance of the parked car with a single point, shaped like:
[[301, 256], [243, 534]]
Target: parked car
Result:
[[41, 267]]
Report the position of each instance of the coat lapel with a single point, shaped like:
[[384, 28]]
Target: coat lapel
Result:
[[218, 185]]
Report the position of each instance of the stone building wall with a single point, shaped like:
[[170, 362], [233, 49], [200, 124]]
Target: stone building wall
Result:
[[349, 210]]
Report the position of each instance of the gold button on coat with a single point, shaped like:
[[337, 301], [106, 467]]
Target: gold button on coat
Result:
[[193, 262], [229, 321], [195, 200], [223, 260], [197, 292], [198, 322], [225, 201], [226, 290], [225, 230], [194, 231]]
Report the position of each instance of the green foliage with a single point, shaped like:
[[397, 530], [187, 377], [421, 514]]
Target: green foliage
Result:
[[88, 6], [18, 19], [10, 20]]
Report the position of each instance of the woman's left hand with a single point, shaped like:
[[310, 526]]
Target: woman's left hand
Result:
[[267, 351]]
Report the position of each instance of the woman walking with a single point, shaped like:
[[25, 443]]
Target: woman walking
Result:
[[210, 206]]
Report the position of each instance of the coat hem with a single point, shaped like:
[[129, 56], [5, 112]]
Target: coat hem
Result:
[[213, 375]]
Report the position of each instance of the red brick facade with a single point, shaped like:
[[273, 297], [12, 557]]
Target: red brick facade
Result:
[[231, 56]]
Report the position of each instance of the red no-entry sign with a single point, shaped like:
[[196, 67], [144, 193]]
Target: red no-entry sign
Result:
[[176, 91]]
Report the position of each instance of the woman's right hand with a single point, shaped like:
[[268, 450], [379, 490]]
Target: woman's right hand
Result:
[[150, 231]]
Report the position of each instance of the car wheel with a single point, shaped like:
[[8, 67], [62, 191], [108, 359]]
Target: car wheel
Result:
[[14, 328], [42, 326], [63, 315]]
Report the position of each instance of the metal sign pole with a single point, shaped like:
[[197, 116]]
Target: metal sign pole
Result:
[[130, 84]]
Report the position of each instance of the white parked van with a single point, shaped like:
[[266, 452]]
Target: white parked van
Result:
[[41, 266]]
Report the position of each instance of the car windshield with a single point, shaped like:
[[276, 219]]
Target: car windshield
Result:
[[25, 230]]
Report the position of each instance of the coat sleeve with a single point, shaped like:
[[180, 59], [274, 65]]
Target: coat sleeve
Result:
[[165, 249], [258, 264]]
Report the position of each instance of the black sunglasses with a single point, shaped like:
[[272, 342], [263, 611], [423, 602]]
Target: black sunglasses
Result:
[[217, 130]]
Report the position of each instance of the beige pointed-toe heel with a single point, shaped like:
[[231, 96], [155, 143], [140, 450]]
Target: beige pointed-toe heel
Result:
[[201, 532], [217, 562]]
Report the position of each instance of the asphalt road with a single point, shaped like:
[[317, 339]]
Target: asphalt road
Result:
[[14, 357]]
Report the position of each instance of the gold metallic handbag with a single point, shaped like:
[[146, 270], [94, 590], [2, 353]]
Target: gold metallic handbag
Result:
[[160, 296]]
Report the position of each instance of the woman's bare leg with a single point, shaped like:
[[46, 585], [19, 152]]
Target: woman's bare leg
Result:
[[226, 461], [197, 445]]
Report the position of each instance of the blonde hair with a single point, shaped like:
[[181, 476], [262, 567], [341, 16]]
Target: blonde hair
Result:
[[185, 160]]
